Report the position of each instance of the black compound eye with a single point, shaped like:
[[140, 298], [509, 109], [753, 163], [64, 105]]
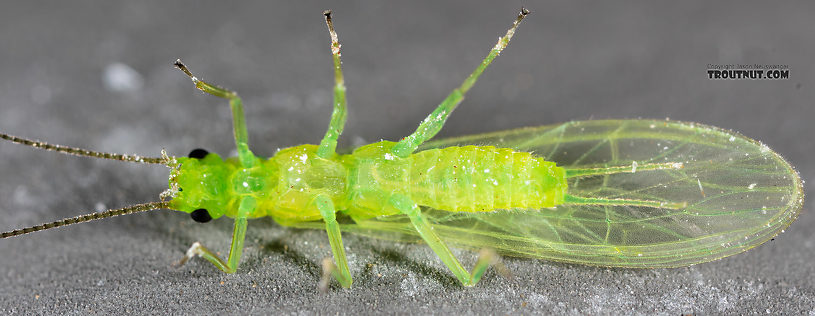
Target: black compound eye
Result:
[[198, 153], [201, 215]]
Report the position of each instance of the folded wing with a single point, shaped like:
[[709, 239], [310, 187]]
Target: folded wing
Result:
[[738, 193]]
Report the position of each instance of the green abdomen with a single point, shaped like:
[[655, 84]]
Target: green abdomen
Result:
[[483, 179], [457, 179]]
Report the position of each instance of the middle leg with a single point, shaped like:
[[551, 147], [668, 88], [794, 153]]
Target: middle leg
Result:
[[339, 268], [329, 143]]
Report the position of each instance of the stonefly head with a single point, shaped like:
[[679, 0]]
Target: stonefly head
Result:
[[198, 185]]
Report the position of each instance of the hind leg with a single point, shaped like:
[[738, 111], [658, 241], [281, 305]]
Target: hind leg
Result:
[[434, 122], [425, 230]]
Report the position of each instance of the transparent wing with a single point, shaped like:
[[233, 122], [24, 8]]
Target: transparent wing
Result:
[[738, 193]]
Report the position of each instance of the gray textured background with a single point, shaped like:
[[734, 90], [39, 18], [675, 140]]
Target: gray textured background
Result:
[[567, 62]]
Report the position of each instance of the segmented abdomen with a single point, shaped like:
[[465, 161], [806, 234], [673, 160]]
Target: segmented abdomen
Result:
[[483, 179]]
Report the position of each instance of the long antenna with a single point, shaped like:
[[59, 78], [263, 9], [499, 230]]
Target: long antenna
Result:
[[83, 152], [88, 217]]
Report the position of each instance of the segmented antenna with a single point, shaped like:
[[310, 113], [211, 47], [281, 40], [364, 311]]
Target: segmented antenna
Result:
[[88, 217], [83, 152]]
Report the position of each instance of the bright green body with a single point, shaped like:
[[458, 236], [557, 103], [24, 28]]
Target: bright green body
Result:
[[625, 193], [394, 186], [456, 179], [309, 183]]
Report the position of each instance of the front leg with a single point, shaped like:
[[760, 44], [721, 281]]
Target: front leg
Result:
[[245, 155], [247, 206], [238, 236]]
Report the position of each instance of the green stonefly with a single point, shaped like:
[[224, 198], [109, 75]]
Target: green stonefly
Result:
[[615, 193]]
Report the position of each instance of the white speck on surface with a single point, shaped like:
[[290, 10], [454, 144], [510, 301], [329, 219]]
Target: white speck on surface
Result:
[[412, 286], [751, 186], [633, 166], [388, 156], [23, 197], [303, 158], [118, 77]]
